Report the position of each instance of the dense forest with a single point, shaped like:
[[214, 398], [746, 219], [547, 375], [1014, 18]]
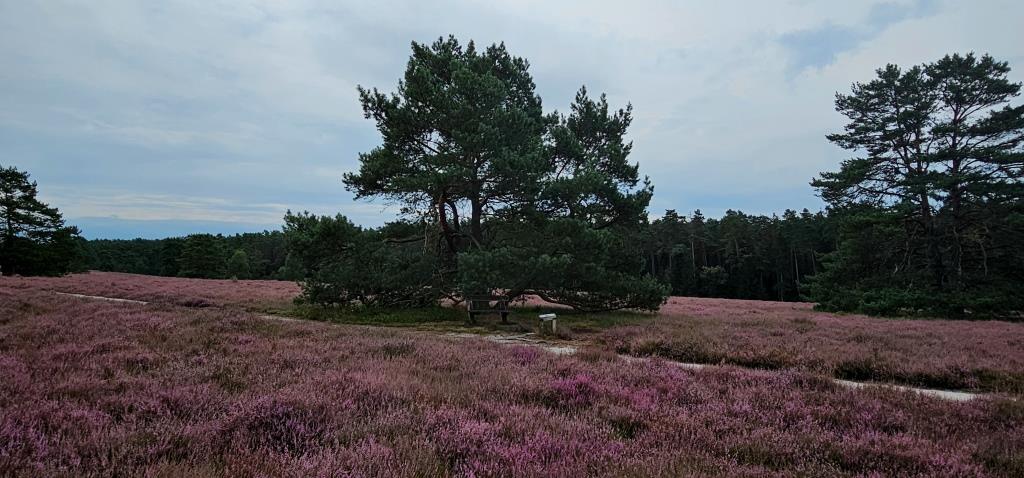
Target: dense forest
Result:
[[256, 255], [736, 256]]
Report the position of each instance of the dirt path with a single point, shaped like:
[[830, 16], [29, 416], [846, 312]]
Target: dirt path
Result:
[[565, 348], [96, 297]]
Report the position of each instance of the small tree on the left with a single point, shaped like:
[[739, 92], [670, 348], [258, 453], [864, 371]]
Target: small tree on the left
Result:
[[33, 237]]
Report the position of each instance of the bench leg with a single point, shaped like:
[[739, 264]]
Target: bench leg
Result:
[[472, 318], [504, 317]]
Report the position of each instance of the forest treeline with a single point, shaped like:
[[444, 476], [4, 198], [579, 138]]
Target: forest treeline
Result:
[[255, 255], [738, 256]]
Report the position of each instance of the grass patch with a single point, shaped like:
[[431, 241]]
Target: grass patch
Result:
[[579, 323], [378, 316], [520, 320]]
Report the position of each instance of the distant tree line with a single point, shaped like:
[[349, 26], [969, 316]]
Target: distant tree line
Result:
[[258, 255], [738, 256]]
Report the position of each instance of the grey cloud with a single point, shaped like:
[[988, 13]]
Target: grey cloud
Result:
[[253, 102], [818, 47]]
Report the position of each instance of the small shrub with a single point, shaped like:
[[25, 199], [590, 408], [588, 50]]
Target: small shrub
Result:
[[862, 368], [392, 350], [596, 355], [625, 424], [803, 324]]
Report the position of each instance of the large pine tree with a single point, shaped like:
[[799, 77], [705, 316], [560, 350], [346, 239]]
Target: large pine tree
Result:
[[934, 201], [522, 202]]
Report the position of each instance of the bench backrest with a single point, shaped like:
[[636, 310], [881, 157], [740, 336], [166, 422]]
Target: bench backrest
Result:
[[484, 303]]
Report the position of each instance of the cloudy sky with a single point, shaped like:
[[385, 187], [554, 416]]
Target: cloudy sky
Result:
[[174, 116]]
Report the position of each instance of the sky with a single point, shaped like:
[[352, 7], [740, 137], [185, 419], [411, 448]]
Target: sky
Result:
[[155, 119]]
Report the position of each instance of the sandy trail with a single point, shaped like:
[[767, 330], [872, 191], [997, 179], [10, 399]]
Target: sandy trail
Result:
[[96, 297]]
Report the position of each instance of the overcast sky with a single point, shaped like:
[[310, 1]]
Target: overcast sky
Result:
[[159, 118]]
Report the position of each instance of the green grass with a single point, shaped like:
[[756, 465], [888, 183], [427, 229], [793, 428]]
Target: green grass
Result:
[[379, 316], [570, 323]]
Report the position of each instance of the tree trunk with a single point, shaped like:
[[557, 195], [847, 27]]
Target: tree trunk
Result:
[[446, 230], [955, 199], [476, 221], [934, 254], [693, 259], [6, 254]]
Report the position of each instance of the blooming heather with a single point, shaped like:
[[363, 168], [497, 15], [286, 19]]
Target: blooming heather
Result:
[[247, 294], [974, 355], [978, 355], [102, 388]]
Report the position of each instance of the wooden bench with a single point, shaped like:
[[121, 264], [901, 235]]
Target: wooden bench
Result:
[[482, 304]]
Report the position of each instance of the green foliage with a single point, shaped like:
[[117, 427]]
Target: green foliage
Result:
[[430, 314], [265, 252], [564, 261], [929, 210], [590, 177], [346, 265], [505, 199], [169, 252], [463, 139], [238, 265], [202, 256], [291, 270], [738, 256], [33, 237]]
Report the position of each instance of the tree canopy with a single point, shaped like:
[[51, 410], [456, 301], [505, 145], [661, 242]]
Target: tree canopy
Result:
[[202, 256], [33, 237], [935, 201], [504, 197]]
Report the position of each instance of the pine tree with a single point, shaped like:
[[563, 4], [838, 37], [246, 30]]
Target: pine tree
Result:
[[931, 201], [202, 256], [33, 237], [519, 201]]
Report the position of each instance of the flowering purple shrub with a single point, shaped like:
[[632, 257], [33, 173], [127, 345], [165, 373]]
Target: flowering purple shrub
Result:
[[980, 355], [100, 388], [198, 293]]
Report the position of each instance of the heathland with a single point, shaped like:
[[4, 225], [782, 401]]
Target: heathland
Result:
[[209, 378]]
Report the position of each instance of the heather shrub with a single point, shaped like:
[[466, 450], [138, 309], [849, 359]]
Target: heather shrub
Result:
[[998, 380], [596, 354], [774, 358], [93, 388], [277, 425], [524, 355], [977, 355], [570, 393], [391, 350], [258, 295], [626, 424], [687, 350], [1002, 457], [863, 368]]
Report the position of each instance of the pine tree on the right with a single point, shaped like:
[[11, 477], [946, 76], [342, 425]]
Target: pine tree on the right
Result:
[[932, 208]]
